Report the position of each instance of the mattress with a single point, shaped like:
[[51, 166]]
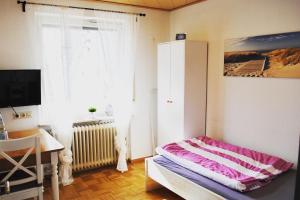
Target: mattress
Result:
[[236, 167], [282, 188]]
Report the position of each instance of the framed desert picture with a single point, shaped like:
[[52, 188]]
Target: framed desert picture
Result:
[[276, 55]]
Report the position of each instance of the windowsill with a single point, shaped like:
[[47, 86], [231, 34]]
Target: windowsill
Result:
[[96, 120]]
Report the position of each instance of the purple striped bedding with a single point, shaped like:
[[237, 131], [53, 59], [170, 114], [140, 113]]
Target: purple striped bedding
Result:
[[236, 167]]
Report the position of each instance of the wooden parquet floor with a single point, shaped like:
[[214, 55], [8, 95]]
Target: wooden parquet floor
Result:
[[109, 184]]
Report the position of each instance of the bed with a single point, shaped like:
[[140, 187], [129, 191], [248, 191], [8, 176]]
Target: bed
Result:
[[161, 171]]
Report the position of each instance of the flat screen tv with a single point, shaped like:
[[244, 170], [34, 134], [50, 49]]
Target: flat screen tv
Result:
[[20, 88]]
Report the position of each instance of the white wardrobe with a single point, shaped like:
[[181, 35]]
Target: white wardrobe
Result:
[[181, 90]]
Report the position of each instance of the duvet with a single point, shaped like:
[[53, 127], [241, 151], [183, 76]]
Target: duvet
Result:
[[239, 168]]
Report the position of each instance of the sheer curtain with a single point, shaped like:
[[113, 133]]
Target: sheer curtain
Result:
[[87, 60], [117, 39]]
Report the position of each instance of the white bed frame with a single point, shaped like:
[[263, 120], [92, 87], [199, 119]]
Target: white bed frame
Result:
[[158, 176]]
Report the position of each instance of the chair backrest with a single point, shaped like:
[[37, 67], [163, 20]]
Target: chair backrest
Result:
[[29, 144]]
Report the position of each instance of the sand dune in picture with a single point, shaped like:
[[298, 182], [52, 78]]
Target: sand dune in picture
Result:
[[274, 63]]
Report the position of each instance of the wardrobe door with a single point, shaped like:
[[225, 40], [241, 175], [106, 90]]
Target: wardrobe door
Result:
[[195, 88], [176, 103], [164, 128]]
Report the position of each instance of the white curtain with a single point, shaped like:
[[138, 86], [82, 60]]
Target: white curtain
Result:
[[118, 40], [87, 60]]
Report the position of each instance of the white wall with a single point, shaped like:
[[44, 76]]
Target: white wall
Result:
[[15, 53], [260, 113]]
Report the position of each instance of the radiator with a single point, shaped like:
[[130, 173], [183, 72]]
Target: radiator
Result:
[[93, 145]]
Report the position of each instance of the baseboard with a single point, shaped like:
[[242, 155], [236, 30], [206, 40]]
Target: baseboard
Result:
[[139, 160]]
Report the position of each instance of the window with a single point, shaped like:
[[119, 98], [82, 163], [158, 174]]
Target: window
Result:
[[86, 73]]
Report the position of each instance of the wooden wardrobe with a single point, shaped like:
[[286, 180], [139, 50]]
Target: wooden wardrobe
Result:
[[181, 90]]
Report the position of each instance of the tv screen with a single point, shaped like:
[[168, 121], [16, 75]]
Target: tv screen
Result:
[[20, 88]]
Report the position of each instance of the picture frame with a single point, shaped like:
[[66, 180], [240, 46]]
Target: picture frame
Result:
[[275, 55]]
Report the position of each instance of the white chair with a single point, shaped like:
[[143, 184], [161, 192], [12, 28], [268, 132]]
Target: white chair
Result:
[[21, 182]]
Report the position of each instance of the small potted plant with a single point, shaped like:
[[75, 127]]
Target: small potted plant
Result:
[[92, 110]]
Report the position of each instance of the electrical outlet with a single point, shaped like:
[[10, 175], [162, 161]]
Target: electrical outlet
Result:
[[28, 114], [16, 116], [22, 115]]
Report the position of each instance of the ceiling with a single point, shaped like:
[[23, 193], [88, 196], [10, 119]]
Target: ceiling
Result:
[[167, 5]]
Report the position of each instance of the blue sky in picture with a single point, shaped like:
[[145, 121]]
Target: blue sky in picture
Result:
[[264, 42]]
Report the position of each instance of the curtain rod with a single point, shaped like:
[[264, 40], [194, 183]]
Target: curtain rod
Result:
[[24, 3]]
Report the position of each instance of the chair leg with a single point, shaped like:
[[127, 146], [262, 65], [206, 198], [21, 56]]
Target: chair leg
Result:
[[41, 194]]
